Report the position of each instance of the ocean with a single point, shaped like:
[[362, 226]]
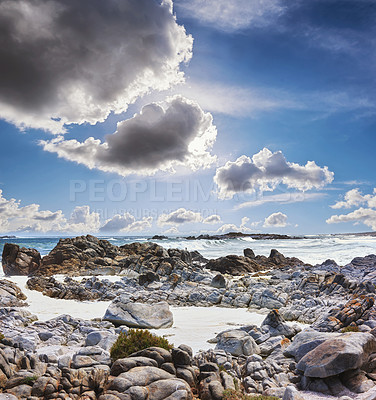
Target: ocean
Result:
[[311, 249]]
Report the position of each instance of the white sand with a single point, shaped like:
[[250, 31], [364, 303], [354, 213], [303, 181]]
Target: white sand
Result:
[[192, 325]]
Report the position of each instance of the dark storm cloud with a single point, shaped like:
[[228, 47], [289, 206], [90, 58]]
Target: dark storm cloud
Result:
[[157, 138], [75, 61]]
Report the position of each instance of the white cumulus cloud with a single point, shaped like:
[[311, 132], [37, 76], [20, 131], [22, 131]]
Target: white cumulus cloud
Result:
[[17, 218], [69, 61], [126, 223], [183, 216], [265, 171], [276, 220], [355, 198], [155, 139]]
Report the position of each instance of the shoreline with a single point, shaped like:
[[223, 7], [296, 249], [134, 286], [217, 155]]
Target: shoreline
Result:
[[261, 349]]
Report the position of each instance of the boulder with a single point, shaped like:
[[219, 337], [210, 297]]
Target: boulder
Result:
[[278, 326], [237, 343], [334, 356], [10, 294], [18, 260], [234, 265], [306, 341], [219, 281], [138, 315]]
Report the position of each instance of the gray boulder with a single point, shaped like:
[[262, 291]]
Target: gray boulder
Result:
[[237, 343], [138, 315], [218, 281], [306, 341], [334, 356]]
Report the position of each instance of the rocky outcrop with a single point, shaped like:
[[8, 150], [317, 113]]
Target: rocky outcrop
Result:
[[238, 265], [67, 290], [18, 260], [351, 312], [10, 294], [79, 256], [138, 315]]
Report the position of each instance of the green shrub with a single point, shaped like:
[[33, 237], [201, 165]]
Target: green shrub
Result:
[[231, 394], [350, 328], [136, 340], [1, 336]]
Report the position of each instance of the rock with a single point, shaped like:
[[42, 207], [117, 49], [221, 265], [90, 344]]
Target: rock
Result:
[[10, 294], [306, 341], [125, 364], [334, 356], [180, 357], [158, 354], [356, 381], [18, 260], [158, 383], [8, 396], [218, 281], [237, 343], [234, 265], [292, 393], [103, 339], [350, 312], [269, 298], [277, 325], [249, 253], [147, 278], [82, 255], [138, 315]]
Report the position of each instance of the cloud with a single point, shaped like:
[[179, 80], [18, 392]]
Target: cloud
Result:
[[265, 171], [355, 198], [180, 216], [225, 228], [232, 15], [68, 61], [29, 219], [276, 220], [183, 216], [365, 215], [17, 218], [284, 198], [82, 220], [172, 231], [126, 223], [155, 139], [212, 219]]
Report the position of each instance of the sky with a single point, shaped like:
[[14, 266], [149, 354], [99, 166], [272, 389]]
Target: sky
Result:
[[141, 117]]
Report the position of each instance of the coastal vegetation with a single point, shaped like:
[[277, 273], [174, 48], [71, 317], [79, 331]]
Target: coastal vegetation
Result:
[[134, 340]]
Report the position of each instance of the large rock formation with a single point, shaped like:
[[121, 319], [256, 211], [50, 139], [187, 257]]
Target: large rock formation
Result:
[[334, 356], [138, 315], [18, 260], [79, 256], [238, 265]]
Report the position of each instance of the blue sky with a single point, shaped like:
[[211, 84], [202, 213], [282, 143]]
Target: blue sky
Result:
[[196, 116]]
